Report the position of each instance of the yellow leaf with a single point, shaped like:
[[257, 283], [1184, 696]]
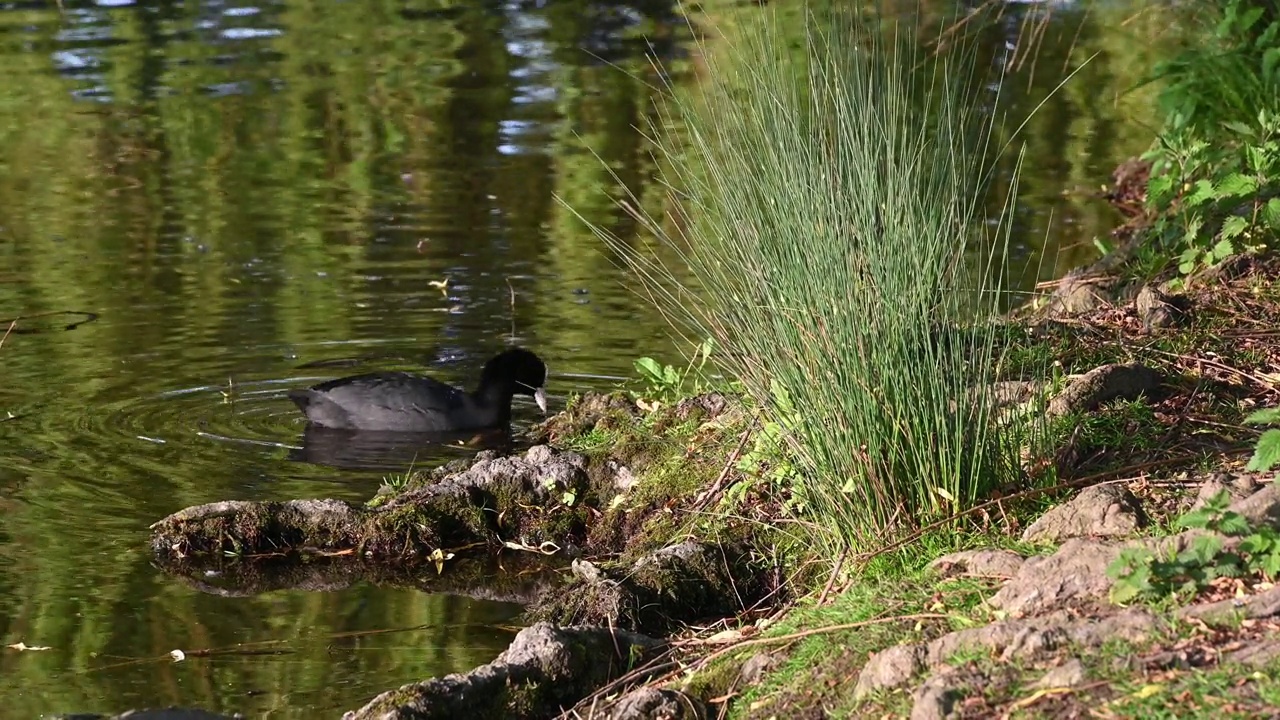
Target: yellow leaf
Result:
[[1148, 690]]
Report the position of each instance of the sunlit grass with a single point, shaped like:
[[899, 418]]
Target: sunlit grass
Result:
[[830, 212]]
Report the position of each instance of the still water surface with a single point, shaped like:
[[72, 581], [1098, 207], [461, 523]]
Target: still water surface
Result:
[[240, 189]]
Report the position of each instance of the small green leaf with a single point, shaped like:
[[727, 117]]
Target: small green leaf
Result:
[[1192, 233], [670, 375], [1187, 261], [1255, 545], [1267, 454], [1219, 503], [1266, 416], [1233, 227], [1222, 250], [1204, 549], [1159, 190], [1234, 524], [649, 368], [1270, 565], [1250, 18], [568, 498], [1239, 128], [1236, 185], [1271, 213], [1198, 519], [1124, 591], [1204, 192]]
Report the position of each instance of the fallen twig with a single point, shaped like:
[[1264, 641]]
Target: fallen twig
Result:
[[12, 325], [706, 495]]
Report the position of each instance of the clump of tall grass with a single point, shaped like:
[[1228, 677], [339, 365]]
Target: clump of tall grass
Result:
[[828, 203]]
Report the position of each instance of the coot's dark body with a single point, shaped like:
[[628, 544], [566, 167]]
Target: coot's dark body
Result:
[[412, 403]]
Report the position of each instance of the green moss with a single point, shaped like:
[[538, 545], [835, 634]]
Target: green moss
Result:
[[718, 677]]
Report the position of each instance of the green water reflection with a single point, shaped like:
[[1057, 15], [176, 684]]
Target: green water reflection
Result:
[[238, 189]]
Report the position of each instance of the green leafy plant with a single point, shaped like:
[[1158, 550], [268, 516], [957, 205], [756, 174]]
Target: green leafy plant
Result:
[[1229, 70], [1216, 197], [667, 381], [1138, 574], [1212, 186], [1266, 454], [769, 457]]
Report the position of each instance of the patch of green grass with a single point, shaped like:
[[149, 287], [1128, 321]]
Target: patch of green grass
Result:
[[853, 304], [395, 482], [592, 441], [1029, 356], [1128, 425], [838, 655], [1224, 691]]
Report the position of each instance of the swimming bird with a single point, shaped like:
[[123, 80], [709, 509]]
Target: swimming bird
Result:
[[414, 403]]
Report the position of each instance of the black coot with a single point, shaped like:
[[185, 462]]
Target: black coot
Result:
[[412, 403]]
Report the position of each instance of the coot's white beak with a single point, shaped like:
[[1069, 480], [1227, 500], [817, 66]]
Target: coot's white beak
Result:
[[540, 397]]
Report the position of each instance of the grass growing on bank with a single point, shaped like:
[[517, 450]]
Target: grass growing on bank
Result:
[[829, 209]]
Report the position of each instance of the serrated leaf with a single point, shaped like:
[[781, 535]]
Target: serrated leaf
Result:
[[1124, 591], [1222, 250], [1233, 524], [1271, 212], [1239, 128], [1267, 454], [1266, 416], [1271, 565], [1236, 185], [1203, 192], [1197, 519], [1159, 190], [1232, 227], [1255, 545], [1250, 18], [1204, 549]]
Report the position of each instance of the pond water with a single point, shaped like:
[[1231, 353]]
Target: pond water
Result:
[[249, 197]]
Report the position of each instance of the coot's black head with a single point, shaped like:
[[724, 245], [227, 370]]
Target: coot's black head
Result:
[[521, 371]]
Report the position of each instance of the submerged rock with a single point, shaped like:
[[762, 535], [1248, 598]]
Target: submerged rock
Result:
[[524, 500], [546, 670]]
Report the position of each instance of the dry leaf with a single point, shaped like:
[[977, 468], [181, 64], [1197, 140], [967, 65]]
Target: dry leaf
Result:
[[22, 647]]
